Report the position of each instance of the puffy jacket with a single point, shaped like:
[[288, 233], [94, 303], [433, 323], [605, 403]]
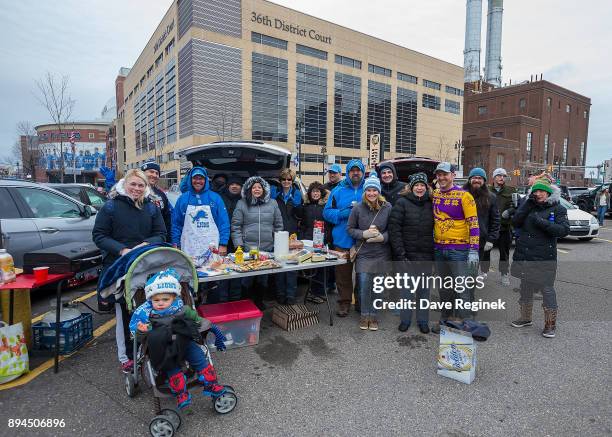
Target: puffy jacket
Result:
[[411, 226], [230, 200], [204, 197], [391, 190], [255, 220], [309, 213], [504, 202], [535, 255], [339, 205], [370, 255], [120, 224]]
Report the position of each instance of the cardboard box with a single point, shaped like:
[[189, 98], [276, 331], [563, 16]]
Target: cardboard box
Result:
[[292, 317], [457, 355]]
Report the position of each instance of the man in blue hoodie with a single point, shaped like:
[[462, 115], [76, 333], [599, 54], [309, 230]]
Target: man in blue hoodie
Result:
[[199, 217], [337, 210]]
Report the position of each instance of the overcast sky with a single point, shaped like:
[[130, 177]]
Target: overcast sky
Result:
[[567, 41]]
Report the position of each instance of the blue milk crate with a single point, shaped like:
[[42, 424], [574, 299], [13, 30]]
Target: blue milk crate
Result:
[[74, 333]]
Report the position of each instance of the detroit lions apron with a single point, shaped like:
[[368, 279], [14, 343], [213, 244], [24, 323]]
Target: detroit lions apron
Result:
[[199, 230]]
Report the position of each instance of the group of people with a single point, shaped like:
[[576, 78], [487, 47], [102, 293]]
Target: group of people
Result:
[[371, 220]]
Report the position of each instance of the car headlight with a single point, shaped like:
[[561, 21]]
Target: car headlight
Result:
[[594, 221]]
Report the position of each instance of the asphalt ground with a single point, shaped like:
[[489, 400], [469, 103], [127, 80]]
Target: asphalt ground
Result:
[[340, 380]]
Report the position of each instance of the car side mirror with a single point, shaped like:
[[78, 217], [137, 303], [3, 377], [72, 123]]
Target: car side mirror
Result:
[[87, 211]]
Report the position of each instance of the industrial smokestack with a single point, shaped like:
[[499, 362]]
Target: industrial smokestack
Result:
[[493, 65], [471, 54]]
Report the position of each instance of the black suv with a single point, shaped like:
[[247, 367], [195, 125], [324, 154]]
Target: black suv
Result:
[[586, 201]]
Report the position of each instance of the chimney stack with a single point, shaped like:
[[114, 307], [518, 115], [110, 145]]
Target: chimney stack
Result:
[[471, 54], [493, 64]]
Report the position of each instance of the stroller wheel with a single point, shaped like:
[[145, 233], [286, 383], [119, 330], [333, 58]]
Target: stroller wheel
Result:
[[226, 402], [130, 385], [173, 416], [161, 426]]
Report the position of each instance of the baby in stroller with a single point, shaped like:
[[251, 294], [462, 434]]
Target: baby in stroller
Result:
[[171, 330]]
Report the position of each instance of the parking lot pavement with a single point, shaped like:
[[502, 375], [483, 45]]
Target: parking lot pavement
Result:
[[339, 380]]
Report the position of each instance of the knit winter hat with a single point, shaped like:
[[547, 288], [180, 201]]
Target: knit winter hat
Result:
[[372, 181], [477, 171], [542, 184], [151, 165], [500, 172], [166, 281], [417, 178]]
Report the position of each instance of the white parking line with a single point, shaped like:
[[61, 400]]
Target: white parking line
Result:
[[562, 251]]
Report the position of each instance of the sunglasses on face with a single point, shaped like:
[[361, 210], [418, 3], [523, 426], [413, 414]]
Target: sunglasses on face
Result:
[[286, 180]]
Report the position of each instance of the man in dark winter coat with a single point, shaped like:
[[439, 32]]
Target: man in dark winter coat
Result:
[[542, 220], [504, 203], [159, 198], [488, 215], [334, 175], [410, 228], [391, 185]]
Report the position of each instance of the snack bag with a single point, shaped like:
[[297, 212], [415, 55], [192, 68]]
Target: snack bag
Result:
[[318, 234], [456, 355]]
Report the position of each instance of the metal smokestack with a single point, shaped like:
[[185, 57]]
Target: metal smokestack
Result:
[[471, 54], [493, 65]]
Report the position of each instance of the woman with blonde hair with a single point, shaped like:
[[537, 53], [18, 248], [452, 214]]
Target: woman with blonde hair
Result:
[[367, 225], [128, 220]]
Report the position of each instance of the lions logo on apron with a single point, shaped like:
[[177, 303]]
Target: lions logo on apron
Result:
[[199, 230]]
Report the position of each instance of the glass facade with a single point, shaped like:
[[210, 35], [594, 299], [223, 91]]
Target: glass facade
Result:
[[453, 90], [407, 77], [406, 121], [379, 70], [431, 102], [159, 110], [137, 124], [431, 84], [379, 112], [347, 111], [268, 40], [150, 117], [311, 104], [452, 106], [270, 101], [349, 62], [309, 51], [170, 78]]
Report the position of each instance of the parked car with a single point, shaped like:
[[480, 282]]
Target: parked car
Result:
[[586, 201], [583, 225], [242, 159], [84, 193], [34, 216], [577, 191]]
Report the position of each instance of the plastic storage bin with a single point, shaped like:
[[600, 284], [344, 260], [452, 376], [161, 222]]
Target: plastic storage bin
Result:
[[74, 333], [239, 321]]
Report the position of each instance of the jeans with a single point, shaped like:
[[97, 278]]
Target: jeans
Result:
[[422, 314], [453, 263], [196, 358], [549, 295], [344, 280], [601, 214], [366, 294], [286, 287], [503, 244]]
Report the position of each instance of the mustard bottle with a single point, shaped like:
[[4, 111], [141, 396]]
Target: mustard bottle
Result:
[[239, 255]]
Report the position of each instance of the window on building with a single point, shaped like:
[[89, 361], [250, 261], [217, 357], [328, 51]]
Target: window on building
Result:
[[311, 104], [379, 70], [431, 102], [545, 148], [498, 134], [170, 47], [582, 153], [406, 121], [502, 106], [499, 162], [573, 176], [407, 77], [150, 117], [568, 108], [379, 112], [347, 111], [268, 40], [565, 144], [159, 110], [137, 125], [309, 51], [452, 106], [431, 84], [170, 109], [522, 103], [150, 71], [453, 90], [482, 110], [269, 95], [349, 62], [528, 148], [92, 136], [586, 114], [159, 60], [549, 102]]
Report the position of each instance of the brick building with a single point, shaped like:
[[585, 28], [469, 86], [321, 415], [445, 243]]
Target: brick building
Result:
[[526, 127]]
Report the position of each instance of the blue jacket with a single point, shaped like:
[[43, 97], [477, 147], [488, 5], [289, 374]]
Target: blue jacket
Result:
[[339, 205], [143, 312], [205, 197], [294, 194]]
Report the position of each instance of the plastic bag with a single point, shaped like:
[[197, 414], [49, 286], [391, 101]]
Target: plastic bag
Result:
[[14, 360]]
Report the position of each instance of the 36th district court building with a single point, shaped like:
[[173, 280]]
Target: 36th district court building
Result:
[[229, 69]]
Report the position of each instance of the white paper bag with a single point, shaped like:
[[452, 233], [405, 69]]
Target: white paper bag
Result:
[[457, 355]]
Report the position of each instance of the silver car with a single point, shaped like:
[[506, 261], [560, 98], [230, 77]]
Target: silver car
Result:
[[33, 216]]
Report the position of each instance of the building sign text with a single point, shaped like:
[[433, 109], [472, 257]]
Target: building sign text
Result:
[[277, 23]]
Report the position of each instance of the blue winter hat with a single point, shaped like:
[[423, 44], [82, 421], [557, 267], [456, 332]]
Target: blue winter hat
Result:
[[335, 168], [477, 171], [151, 165], [166, 281], [198, 171], [372, 181]]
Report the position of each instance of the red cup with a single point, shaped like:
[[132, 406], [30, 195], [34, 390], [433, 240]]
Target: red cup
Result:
[[41, 273]]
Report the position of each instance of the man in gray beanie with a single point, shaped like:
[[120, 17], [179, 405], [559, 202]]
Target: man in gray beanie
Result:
[[504, 203]]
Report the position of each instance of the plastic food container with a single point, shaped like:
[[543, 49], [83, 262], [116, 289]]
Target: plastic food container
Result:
[[239, 321]]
